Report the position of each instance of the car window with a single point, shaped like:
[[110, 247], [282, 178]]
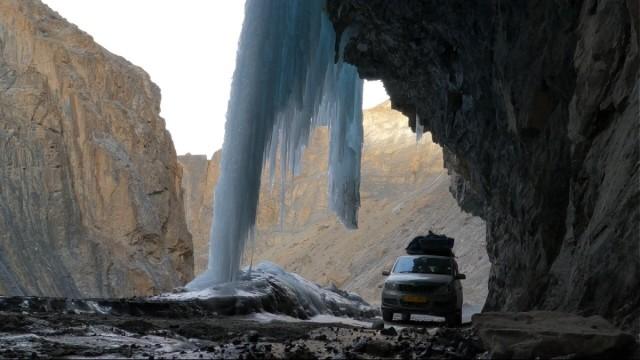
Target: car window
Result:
[[424, 265]]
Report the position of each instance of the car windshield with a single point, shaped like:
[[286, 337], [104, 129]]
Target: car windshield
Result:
[[423, 265]]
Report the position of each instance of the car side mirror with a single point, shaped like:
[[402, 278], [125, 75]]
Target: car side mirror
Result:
[[386, 273], [461, 277]]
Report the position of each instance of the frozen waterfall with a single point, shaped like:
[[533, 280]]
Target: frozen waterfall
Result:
[[285, 83]]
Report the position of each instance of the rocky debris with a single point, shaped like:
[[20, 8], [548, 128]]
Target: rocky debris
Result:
[[544, 334], [13, 322], [90, 197], [398, 203], [536, 106], [252, 336], [375, 347], [377, 324], [389, 331], [50, 334]]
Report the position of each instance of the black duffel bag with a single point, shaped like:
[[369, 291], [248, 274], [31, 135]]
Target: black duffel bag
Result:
[[431, 244]]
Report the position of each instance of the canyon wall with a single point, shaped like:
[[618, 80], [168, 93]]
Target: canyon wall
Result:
[[90, 196], [198, 181], [404, 192], [536, 106]]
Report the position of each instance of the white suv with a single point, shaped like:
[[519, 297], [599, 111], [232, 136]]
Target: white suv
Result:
[[423, 284]]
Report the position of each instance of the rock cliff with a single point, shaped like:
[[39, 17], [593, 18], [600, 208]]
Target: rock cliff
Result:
[[536, 106], [404, 192], [199, 176], [90, 196]]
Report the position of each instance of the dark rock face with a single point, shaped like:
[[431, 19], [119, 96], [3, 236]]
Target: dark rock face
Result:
[[536, 106], [547, 335]]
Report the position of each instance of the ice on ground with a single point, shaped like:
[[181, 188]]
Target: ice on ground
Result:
[[279, 291], [322, 319], [329, 319], [287, 81], [205, 294]]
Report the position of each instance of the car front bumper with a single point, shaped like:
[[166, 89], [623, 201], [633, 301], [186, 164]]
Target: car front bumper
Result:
[[436, 304]]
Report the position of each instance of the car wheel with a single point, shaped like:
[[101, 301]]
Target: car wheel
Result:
[[454, 319], [406, 317], [387, 315]]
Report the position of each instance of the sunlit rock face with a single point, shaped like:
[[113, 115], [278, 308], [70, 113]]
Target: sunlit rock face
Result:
[[90, 198], [404, 192], [199, 178], [536, 105]]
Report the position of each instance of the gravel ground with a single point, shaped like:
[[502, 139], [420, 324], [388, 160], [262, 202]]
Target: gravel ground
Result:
[[62, 335]]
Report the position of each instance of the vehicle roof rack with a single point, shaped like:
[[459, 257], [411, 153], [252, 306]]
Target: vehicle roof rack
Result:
[[431, 244]]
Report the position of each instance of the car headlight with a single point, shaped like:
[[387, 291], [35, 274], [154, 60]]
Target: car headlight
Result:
[[391, 286], [451, 288], [446, 289]]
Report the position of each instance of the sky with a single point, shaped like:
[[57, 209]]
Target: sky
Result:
[[188, 47]]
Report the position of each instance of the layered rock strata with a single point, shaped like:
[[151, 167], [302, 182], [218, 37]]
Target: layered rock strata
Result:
[[536, 106], [90, 196], [404, 192]]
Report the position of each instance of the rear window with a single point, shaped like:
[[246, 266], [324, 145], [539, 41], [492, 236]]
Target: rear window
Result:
[[424, 265]]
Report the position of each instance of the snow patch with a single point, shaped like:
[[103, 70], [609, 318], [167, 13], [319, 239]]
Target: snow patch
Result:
[[283, 292], [321, 319], [205, 294]]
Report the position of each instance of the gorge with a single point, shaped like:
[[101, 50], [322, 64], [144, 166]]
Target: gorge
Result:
[[512, 126], [536, 107], [404, 193]]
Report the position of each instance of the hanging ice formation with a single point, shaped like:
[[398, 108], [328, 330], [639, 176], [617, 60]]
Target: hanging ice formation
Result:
[[419, 129], [285, 83]]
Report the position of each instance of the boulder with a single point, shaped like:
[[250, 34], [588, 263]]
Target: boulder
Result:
[[549, 334], [377, 324]]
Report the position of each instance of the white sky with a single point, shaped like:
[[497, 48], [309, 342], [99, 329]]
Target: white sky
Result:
[[188, 47]]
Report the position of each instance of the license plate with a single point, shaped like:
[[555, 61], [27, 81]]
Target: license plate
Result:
[[415, 299]]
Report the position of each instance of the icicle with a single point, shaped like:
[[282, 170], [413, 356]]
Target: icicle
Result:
[[285, 83], [252, 244], [419, 128]]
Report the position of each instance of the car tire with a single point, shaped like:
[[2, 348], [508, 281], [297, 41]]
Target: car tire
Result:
[[406, 317], [387, 315], [454, 319]]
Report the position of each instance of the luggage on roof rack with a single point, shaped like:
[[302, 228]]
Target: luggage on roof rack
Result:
[[431, 244]]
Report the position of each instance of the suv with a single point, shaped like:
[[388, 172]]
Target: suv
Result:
[[423, 284]]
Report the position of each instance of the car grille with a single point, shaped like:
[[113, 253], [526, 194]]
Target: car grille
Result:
[[389, 301], [419, 288]]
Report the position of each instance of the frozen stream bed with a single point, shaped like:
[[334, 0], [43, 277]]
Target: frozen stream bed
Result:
[[269, 288], [61, 335], [265, 289], [271, 314], [268, 313]]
